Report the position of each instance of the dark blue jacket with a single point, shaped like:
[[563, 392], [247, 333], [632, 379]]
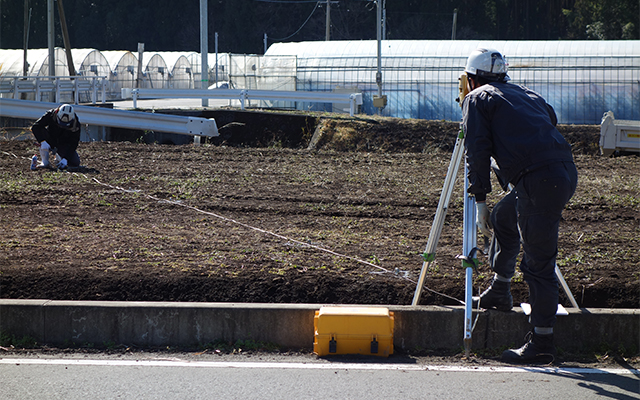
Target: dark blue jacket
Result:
[[516, 127]]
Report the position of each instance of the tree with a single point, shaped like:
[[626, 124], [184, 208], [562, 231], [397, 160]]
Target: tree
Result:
[[604, 19], [165, 25]]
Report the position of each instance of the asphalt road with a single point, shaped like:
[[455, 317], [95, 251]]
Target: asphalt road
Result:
[[81, 376]]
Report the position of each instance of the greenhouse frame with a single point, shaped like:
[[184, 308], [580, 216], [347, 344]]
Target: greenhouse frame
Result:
[[123, 71], [580, 79]]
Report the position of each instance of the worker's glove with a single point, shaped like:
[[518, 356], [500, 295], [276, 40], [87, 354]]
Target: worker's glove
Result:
[[62, 164], [482, 219]]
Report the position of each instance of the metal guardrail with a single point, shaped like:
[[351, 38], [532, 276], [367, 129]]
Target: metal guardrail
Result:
[[193, 126], [243, 95], [58, 84]]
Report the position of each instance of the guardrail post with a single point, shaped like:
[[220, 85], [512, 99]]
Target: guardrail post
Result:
[[244, 95], [94, 91], [38, 94], [104, 90], [15, 88], [352, 104], [76, 96], [57, 89], [134, 96]]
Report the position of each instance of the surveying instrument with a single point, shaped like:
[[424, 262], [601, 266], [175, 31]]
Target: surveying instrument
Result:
[[469, 235]]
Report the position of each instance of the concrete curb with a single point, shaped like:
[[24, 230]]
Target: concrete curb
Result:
[[155, 324]]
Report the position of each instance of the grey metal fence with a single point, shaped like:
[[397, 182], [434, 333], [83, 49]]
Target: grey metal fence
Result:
[[580, 89]]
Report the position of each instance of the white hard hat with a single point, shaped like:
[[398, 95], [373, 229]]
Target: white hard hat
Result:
[[65, 115], [489, 64]]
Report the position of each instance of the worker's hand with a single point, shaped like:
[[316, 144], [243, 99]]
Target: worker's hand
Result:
[[482, 219]]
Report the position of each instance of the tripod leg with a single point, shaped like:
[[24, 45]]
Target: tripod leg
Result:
[[441, 213], [564, 285]]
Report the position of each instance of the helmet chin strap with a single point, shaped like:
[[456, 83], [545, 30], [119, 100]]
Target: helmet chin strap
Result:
[[473, 83]]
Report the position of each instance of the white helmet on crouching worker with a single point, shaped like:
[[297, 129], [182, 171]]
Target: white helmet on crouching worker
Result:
[[488, 64], [65, 115]]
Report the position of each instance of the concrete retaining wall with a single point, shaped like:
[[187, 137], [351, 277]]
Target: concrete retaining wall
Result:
[[154, 324]]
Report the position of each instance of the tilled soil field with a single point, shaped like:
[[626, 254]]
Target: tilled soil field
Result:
[[344, 222]]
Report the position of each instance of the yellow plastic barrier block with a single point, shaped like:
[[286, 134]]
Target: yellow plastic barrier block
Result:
[[353, 330]]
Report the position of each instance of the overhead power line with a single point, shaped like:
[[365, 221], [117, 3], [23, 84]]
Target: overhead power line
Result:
[[287, 1], [301, 26]]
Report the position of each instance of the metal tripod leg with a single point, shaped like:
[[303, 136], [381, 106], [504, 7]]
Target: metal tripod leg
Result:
[[564, 285], [441, 212], [469, 237]]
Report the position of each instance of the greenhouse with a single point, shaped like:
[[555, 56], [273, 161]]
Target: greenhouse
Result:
[[123, 71], [90, 62], [223, 60], [156, 73], [11, 62], [580, 79], [180, 71], [11, 65], [41, 65]]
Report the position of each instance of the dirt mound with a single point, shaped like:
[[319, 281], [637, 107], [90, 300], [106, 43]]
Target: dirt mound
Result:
[[344, 222]]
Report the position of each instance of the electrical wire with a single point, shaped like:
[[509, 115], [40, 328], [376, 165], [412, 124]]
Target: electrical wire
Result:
[[287, 1], [301, 26]]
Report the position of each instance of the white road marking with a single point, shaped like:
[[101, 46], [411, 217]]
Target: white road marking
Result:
[[320, 366]]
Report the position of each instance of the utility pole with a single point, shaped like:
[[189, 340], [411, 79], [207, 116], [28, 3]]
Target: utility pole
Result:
[[140, 55], [65, 36], [25, 40], [379, 36], [455, 22], [384, 20], [265, 43], [50, 39], [204, 49], [216, 49], [327, 32], [379, 101]]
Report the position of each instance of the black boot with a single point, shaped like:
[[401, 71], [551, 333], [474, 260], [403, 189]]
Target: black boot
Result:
[[498, 296], [538, 349]]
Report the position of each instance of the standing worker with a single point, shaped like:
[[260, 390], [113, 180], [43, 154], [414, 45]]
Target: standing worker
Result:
[[58, 132], [512, 130]]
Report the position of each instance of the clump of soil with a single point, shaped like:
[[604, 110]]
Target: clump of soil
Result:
[[342, 222]]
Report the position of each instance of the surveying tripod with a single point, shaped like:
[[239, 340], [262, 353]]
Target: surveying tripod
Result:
[[469, 234]]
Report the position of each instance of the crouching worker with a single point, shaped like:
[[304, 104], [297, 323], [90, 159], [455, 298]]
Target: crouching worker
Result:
[[58, 132]]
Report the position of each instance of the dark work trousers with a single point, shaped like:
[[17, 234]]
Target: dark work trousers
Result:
[[63, 150], [71, 155], [530, 214]]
